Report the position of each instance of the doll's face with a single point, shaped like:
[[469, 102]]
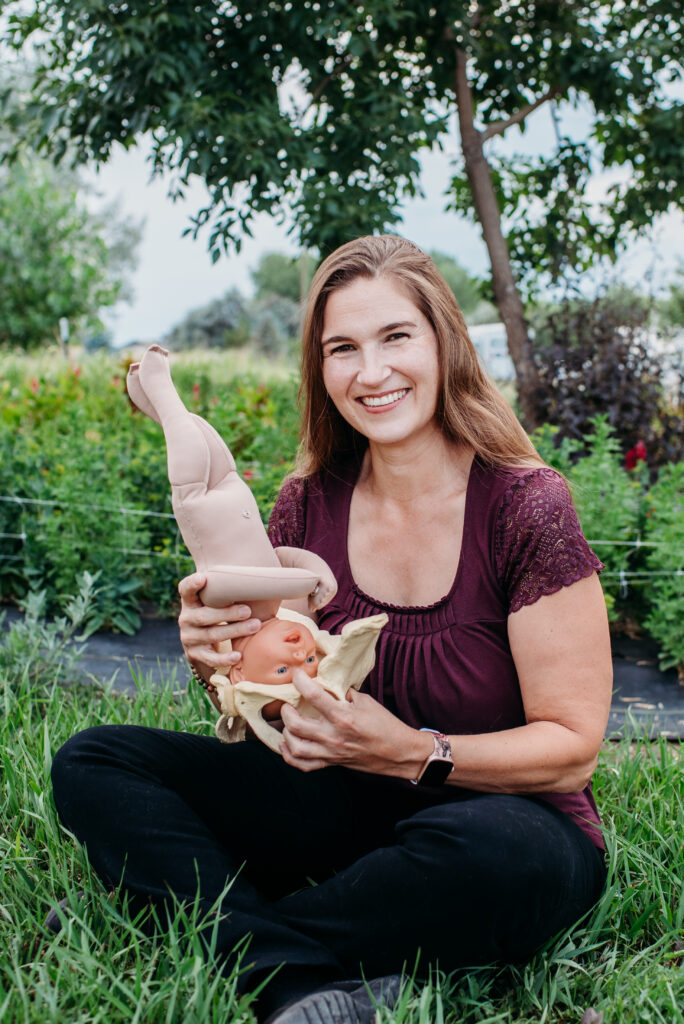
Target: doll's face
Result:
[[271, 655]]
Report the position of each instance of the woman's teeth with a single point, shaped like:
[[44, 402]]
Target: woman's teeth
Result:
[[393, 396]]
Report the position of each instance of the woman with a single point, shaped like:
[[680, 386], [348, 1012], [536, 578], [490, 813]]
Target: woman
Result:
[[445, 813]]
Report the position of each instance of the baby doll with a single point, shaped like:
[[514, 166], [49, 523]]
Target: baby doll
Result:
[[221, 526]]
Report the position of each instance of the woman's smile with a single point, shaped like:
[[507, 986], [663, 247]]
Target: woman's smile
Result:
[[379, 403]]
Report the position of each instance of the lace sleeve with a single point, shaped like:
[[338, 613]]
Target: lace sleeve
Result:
[[287, 520], [539, 544]]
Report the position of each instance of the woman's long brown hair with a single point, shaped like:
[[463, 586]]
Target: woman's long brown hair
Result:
[[470, 409]]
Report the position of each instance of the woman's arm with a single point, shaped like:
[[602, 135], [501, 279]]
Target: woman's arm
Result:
[[561, 649]]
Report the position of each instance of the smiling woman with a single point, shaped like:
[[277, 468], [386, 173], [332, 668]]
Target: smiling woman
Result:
[[445, 811]]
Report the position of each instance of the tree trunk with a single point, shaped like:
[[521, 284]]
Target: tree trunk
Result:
[[506, 294]]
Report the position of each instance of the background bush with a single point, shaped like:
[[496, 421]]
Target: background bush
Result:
[[78, 464], [598, 357], [83, 486]]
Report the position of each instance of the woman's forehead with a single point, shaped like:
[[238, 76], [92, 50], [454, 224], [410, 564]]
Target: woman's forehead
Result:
[[370, 302]]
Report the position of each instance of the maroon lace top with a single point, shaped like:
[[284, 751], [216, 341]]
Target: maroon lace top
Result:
[[448, 666]]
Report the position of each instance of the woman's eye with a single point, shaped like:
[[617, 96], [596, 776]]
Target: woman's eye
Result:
[[281, 670], [340, 349], [397, 336]]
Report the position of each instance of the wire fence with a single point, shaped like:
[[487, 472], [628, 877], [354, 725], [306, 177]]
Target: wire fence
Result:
[[108, 510], [625, 576]]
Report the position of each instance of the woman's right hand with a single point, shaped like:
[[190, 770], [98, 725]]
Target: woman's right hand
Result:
[[201, 628]]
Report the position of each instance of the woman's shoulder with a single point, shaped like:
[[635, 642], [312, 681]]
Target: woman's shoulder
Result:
[[539, 544], [511, 487]]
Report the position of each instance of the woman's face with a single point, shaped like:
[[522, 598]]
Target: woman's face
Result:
[[380, 362], [271, 655]]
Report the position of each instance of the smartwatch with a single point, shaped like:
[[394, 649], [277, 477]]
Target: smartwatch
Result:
[[438, 766]]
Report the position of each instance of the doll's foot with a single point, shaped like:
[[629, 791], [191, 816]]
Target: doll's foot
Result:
[[136, 393], [154, 377], [321, 594], [345, 1002]]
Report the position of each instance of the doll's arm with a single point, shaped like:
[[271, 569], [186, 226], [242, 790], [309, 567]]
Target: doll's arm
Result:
[[298, 558]]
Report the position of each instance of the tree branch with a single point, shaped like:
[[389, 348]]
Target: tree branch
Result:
[[340, 62], [499, 127]]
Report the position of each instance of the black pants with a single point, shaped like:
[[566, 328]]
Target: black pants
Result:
[[461, 878]]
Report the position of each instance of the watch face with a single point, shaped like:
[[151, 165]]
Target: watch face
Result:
[[436, 773]]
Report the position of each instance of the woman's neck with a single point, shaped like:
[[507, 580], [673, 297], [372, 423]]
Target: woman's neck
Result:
[[426, 468]]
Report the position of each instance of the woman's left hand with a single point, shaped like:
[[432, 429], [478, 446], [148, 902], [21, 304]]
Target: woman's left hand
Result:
[[357, 733]]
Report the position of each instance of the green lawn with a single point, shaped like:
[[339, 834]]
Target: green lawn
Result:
[[626, 960]]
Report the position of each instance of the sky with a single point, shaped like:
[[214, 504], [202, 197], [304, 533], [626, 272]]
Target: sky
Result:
[[175, 275]]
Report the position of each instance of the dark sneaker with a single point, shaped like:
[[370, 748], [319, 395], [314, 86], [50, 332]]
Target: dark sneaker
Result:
[[346, 1003], [53, 920]]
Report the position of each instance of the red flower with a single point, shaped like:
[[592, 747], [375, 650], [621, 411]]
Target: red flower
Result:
[[33, 384], [248, 474], [635, 455], [195, 390]]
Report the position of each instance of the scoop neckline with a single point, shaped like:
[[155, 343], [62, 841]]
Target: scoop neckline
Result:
[[411, 608]]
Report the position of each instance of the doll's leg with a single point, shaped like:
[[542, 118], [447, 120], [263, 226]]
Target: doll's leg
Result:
[[220, 460], [137, 395]]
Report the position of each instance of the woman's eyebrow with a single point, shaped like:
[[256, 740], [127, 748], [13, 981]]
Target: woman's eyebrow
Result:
[[337, 338]]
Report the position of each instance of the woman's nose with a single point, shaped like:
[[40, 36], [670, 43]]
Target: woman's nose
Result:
[[374, 369]]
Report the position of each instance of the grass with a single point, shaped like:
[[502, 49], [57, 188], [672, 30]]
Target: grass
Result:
[[625, 960]]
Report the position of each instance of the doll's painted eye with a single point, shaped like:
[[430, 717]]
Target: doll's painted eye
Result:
[[281, 670], [310, 660]]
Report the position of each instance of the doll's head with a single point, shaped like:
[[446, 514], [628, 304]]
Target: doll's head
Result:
[[271, 655]]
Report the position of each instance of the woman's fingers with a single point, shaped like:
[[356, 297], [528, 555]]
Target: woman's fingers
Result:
[[202, 655], [306, 764], [326, 705], [189, 588], [203, 628]]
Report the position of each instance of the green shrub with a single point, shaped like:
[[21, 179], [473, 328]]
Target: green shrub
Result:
[[597, 357], [607, 497], [83, 479], [608, 504], [665, 534]]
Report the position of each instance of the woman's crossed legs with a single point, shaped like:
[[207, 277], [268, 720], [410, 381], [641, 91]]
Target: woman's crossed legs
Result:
[[454, 878]]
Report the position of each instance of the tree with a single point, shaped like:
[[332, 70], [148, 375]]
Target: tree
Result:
[[672, 308], [54, 259], [467, 289], [320, 109], [221, 323], [287, 276]]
